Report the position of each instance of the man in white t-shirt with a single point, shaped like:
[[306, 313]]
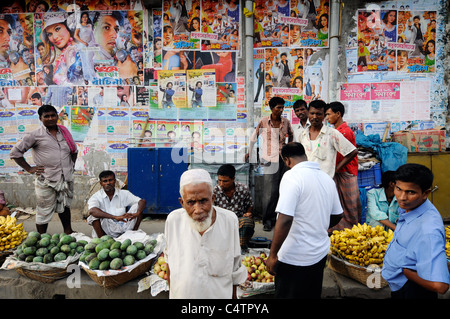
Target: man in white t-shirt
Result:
[[308, 205], [108, 212]]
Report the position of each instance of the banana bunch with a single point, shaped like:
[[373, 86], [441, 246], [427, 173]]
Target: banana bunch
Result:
[[361, 245], [11, 233], [447, 242]]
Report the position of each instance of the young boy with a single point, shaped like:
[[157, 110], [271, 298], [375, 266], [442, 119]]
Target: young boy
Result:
[[415, 264]]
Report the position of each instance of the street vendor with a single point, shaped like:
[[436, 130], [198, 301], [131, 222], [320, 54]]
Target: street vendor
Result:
[[113, 211], [415, 262], [382, 206], [202, 243], [235, 196], [54, 153]]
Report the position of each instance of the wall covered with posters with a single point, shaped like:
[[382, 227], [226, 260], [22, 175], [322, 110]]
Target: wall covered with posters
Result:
[[125, 74], [396, 66]]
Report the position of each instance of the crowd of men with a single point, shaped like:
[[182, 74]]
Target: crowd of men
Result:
[[311, 189]]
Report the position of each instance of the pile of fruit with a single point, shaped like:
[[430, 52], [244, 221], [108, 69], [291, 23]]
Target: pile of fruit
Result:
[[447, 242], [106, 253], [256, 268], [160, 267], [46, 248], [361, 245], [11, 233]]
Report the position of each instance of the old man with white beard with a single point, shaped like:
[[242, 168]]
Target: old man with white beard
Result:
[[202, 243]]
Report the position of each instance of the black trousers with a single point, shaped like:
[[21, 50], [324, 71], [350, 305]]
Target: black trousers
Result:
[[411, 290], [271, 179], [299, 282]]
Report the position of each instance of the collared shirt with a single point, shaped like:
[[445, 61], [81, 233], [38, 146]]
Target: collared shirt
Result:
[[418, 244], [239, 203], [203, 266], [121, 199], [352, 166], [57, 95], [298, 130], [323, 149], [52, 153], [310, 196], [378, 207], [273, 138]]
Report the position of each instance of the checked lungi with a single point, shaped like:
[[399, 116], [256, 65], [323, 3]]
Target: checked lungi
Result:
[[348, 190], [246, 230], [51, 197]]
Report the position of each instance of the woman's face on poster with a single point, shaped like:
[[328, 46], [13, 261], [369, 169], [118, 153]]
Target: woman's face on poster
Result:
[[40, 8], [58, 35], [168, 36], [106, 33], [84, 17], [324, 21], [430, 47], [391, 17], [195, 25]]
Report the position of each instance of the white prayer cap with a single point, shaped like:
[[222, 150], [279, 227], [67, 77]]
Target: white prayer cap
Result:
[[195, 176]]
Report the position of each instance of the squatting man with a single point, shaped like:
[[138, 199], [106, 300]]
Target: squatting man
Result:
[[113, 211]]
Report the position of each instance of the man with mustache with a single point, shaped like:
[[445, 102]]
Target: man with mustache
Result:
[[202, 243], [54, 155], [322, 142], [107, 208]]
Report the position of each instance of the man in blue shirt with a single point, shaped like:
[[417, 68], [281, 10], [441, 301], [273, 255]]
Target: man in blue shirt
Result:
[[415, 264]]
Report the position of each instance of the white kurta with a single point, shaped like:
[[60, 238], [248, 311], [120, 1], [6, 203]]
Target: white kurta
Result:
[[206, 266]]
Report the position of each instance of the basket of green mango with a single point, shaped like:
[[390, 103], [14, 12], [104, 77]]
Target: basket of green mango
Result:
[[111, 262], [45, 257]]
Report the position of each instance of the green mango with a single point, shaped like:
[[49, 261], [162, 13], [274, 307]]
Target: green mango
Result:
[[116, 264], [131, 250], [125, 244], [129, 260], [94, 264], [103, 254]]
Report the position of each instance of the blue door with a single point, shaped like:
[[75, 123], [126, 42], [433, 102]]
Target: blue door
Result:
[[154, 174]]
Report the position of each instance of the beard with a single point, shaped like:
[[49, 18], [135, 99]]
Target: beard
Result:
[[203, 225]]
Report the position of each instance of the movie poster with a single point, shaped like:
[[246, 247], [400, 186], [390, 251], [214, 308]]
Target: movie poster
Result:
[[271, 24], [201, 88], [417, 32], [95, 47], [220, 21], [309, 23], [80, 121], [172, 89], [391, 40], [180, 18], [17, 65], [157, 38]]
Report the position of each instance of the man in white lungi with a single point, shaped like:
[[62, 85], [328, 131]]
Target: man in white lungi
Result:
[[113, 211]]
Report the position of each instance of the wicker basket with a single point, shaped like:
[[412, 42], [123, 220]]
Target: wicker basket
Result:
[[45, 276], [113, 281], [358, 273]]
